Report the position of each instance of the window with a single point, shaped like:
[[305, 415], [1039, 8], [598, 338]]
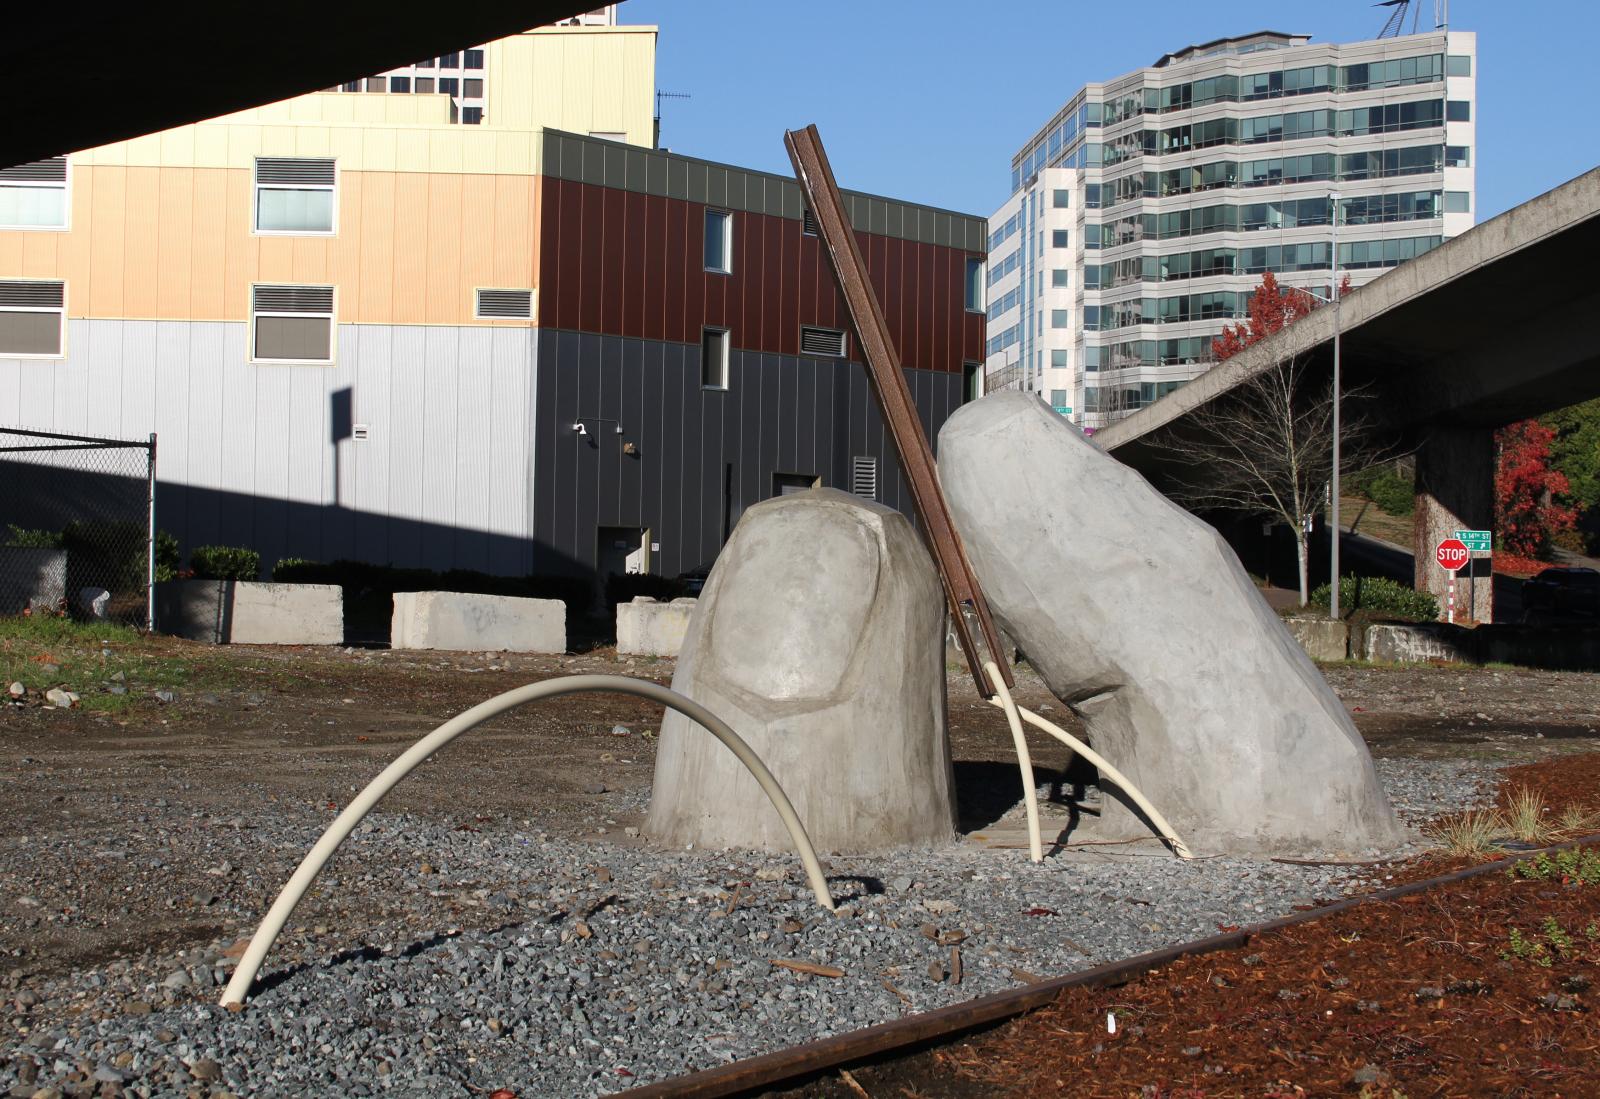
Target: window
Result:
[[1059, 198], [1458, 202], [471, 116], [1058, 358], [864, 477], [377, 84], [971, 381], [1458, 65], [32, 315], [399, 83], [426, 63], [1457, 156], [472, 87], [292, 324], [1058, 277], [719, 242], [973, 287], [714, 358], [450, 85], [825, 343], [424, 85], [1058, 400], [1059, 318], [1058, 238], [473, 59], [34, 196], [294, 194], [450, 61], [351, 85], [1458, 110], [505, 304]]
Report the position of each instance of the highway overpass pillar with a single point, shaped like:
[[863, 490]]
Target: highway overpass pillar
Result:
[[1455, 491]]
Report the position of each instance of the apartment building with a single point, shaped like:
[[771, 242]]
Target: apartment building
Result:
[[1147, 209], [360, 329]]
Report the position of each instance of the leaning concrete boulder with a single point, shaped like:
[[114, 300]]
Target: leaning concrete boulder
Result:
[[820, 638], [1140, 617]]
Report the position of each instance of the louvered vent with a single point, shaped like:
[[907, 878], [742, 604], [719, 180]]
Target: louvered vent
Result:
[[864, 477], [511, 304], [808, 223], [294, 299], [53, 170], [311, 171], [33, 295], [823, 342]]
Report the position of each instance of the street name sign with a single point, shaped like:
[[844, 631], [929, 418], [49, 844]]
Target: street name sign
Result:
[[1476, 541], [1452, 554]]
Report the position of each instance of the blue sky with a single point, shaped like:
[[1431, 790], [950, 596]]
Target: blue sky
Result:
[[928, 100]]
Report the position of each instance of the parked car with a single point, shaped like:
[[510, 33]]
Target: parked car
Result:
[[1563, 590]]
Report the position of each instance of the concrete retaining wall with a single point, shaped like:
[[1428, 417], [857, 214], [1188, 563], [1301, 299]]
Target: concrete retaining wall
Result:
[[246, 612], [1525, 646], [648, 628], [1321, 638], [463, 621]]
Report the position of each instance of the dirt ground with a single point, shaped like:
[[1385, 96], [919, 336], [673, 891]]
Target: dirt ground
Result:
[[296, 732]]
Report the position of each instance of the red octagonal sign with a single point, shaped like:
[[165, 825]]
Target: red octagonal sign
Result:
[[1452, 554]]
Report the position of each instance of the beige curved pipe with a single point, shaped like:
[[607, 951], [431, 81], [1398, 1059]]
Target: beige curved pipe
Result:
[[1030, 796], [1179, 848], [345, 823]]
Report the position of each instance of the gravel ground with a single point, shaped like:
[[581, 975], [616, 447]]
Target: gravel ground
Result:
[[601, 966], [498, 925]]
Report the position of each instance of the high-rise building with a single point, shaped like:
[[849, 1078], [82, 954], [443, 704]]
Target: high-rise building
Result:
[[1144, 213]]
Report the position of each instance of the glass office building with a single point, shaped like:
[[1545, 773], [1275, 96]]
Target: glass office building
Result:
[[1144, 213]]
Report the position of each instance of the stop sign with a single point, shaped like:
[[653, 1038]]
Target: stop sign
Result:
[[1452, 554]]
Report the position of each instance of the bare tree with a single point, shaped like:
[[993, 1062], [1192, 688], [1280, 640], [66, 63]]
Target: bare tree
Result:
[[1266, 449]]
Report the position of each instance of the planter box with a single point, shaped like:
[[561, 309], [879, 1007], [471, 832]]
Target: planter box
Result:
[[31, 578], [1321, 638], [246, 612], [463, 622], [648, 628]]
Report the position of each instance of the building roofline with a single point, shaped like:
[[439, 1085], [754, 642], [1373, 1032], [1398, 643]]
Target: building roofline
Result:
[[1167, 58]]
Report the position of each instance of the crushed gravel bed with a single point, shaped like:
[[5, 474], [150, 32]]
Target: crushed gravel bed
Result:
[[437, 960]]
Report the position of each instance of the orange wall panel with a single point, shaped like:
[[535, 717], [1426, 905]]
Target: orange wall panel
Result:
[[178, 243]]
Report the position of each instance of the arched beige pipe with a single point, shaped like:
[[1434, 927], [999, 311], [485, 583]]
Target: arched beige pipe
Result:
[[1179, 848], [1030, 796], [346, 821]]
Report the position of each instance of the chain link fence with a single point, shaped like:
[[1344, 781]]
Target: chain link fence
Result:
[[77, 526]]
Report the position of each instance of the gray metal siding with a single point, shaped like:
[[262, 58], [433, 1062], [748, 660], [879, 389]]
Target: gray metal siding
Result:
[[780, 414], [245, 454]]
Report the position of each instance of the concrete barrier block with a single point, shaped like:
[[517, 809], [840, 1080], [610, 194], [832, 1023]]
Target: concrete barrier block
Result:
[[31, 578], [1321, 638], [1400, 644], [648, 628], [465, 621], [248, 612]]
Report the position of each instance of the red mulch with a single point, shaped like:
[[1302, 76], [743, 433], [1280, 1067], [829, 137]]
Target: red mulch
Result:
[[1423, 995]]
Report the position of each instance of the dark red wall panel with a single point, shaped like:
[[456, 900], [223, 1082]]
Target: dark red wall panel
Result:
[[621, 263]]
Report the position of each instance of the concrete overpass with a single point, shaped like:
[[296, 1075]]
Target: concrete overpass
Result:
[[1499, 324]]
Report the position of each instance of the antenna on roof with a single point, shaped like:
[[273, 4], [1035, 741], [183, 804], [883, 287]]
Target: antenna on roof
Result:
[[660, 95], [1395, 25]]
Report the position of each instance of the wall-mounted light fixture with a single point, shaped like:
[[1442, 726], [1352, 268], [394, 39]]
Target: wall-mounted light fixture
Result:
[[579, 428]]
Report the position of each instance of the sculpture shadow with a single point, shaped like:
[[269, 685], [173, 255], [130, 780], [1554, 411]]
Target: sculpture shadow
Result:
[[987, 789], [364, 953]]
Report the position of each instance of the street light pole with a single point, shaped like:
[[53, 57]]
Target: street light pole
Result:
[[1333, 506]]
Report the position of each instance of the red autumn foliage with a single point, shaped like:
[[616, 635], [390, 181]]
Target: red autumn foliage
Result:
[[1525, 487], [1271, 309]]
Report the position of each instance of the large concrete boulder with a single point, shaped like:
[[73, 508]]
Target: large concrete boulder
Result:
[[820, 638], [1140, 617]]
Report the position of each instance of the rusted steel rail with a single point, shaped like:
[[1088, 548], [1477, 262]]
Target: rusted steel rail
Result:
[[789, 1067], [968, 608]]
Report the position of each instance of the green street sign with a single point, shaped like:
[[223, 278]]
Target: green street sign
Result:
[[1477, 541]]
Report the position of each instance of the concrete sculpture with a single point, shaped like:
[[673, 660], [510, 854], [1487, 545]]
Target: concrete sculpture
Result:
[[820, 638], [1140, 618]]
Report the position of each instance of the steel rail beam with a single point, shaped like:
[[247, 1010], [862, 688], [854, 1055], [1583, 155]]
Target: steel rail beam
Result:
[[788, 1067], [968, 607]]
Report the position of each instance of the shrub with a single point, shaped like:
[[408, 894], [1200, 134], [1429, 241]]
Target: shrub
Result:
[[32, 539], [1390, 488], [623, 587], [110, 554], [225, 563], [1379, 595]]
